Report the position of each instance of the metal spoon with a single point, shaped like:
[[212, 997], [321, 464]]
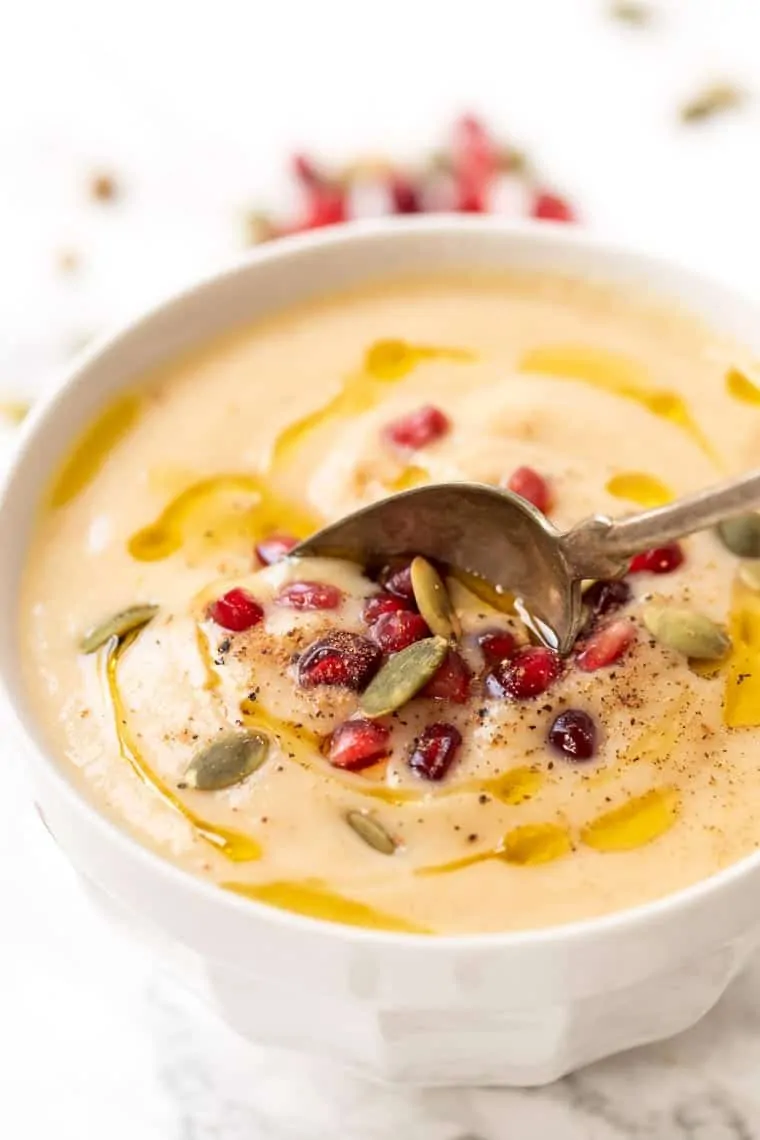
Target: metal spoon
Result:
[[501, 538]]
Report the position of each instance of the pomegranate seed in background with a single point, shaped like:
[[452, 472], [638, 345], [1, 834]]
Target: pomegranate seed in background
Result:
[[380, 604], [419, 428], [339, 658], [606, 645], [531, 672], [356, 744], [661, 560], [310, 596], [497, 645], [394, 631], [306, 171], [435, 751], [531, 486], [398, 581], [404, 195], [552, 208], [573, 733], [275, 547], [236, 610], [606, 595], [325, 207], [475, 162], [451, 681]]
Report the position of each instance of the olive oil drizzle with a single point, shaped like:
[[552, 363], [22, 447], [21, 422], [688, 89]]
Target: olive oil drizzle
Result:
[[741, 706], [528, 845], [94, 446], [638, 487], [618, 374], [237, 847], [741, 387], [314, 899]]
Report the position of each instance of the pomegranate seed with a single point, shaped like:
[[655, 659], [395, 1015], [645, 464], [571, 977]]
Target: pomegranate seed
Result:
[[394, 631], [326, 207], [380, 604], [573, 733], [531, 486], [358, 743], [475, 162], [606, 595], [339, 658], [451, 681], [435, 751], [606, 646], [497, 645], [310, 596], [305, 171], [661, 560], [528, 674], [398, 581], [405, 198], [423, 426], [236, 610], [275, 547], [552, 208]]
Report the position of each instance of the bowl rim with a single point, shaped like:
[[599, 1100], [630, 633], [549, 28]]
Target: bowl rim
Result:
[[55, 390]]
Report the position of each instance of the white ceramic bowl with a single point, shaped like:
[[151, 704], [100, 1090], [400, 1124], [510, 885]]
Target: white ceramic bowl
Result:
[[512, 1009]]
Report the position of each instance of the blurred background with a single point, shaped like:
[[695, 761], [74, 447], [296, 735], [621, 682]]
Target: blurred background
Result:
[[141, 145]]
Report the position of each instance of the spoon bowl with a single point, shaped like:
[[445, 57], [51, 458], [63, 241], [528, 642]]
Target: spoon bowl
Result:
[[503, 541]]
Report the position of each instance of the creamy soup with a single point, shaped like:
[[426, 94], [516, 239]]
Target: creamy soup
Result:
[[387, 746]]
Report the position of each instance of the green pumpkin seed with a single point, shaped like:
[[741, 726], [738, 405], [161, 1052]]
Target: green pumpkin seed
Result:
[[226, 762], [631, 12], [119, 625], [433, 600], [686, 631], [749, 574], [371, 832], [712, 100], [741, 535], [402, 676]]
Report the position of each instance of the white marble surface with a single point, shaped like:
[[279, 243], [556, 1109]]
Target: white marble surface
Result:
[[193, 106]]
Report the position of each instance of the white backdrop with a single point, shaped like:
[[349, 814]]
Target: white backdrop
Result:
[[194, 106]]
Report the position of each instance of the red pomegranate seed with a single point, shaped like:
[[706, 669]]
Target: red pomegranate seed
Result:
[[435, 751], [531, 486], [552, 208], [419, 428], [398, 581], [528, 674], [305, 171], [356, 744], [405, 198], [394, 631], [606, 645], [661, 560], [236, 610], [497, 645], [475, 161], [451, 681], [326, 207], [310, 596], [339, 658], [275, 547], [606, 595], [573, 733], [380, 604]]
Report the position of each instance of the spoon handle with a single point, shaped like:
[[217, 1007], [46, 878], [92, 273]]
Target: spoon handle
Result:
[[599, 547]]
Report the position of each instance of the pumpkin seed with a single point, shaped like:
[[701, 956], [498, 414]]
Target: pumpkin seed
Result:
[[433, 599], [749, 574], [741, 535], [226, 762], [686, 631], [631, 12], [118, 625], [371, 832], [712, 100], [402, 676]]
